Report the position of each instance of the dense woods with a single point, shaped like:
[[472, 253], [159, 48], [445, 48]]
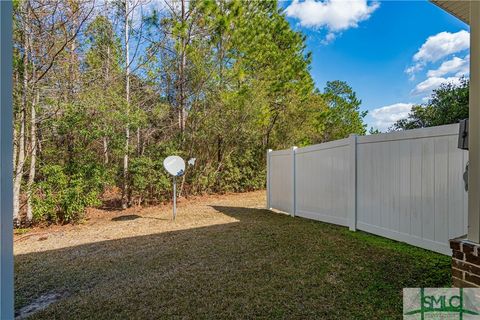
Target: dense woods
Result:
[[105, 90]]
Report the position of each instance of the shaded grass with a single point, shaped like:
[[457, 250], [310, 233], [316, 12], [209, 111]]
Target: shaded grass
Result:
[[266, 265]]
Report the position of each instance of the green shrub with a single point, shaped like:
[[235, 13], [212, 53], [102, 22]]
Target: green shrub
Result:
[[242, 173], [149, 182], [238, 173], [59, 197]]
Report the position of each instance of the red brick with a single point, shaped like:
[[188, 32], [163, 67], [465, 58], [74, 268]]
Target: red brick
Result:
[[457, 264], [458, 255], [457, 273], [457, 283], [466, 267], [468, 248], [455, 245], [472, 259], [472, 278]]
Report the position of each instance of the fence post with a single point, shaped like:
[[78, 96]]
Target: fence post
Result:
[[352, 192], [268, 178], [294, 192]]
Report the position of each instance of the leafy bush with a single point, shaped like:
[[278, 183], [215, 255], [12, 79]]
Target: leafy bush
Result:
[[148, 180], [237, 173], [242, 173], [59, 197]]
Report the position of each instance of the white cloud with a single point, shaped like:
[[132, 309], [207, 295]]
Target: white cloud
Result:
[[433, 83], [456, 65], [385, 117], [334, 15], [412, 70], [438, 47], [441, 45], [329, 38], [415, 68]]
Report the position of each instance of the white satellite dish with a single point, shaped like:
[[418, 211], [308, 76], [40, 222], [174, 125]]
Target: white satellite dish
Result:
[[174, 165]]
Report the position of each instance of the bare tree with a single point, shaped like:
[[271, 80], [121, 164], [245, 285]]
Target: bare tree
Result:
[[125, 190], [47, 28], [20, 158]]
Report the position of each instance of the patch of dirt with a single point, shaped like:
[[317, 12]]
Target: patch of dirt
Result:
[[106, 224], [39, 304]]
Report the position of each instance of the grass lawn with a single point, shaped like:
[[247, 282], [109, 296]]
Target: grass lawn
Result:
[[224, 257]]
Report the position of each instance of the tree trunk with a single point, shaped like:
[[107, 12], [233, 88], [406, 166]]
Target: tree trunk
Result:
[[183, 62], [15, 138], [15, 144], [73, 69], [106, 159], [139, 142], [33, 158], [17, 181], [125, 189]]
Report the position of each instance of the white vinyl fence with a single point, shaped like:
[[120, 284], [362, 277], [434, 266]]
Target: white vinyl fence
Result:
[[407, 186]]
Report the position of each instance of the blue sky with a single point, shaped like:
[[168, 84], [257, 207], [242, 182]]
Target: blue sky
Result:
[[393, 53]]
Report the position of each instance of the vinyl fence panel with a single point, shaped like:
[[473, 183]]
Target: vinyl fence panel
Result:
[[280, 179], [410, 186], [407, 186], [322, 182]]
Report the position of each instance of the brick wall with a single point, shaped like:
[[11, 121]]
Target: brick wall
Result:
[[465, 263]]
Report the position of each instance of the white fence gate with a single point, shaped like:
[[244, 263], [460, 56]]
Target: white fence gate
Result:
[[407, 186]]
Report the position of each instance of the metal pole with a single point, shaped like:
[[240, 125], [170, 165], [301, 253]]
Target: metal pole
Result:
[[174, 198], [6, 163]]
